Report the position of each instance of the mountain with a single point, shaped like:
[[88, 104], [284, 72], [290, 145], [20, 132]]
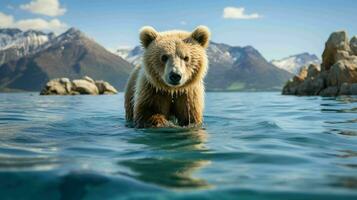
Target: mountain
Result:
[[123, 53], [243, 68], [71, 54], [15, 43], [294, 63], [32, 58], [234, 68], [131, 55]]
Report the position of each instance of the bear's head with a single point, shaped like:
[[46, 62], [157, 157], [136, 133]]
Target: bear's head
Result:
[[175, 59]]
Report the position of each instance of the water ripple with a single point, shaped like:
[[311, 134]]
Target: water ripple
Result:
[[252, 145]]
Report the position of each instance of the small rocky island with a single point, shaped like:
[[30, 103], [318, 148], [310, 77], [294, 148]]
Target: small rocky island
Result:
[[337, 74], [86, 85]]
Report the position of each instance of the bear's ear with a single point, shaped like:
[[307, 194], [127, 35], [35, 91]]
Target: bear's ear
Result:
[[147, 35], [202, 35]]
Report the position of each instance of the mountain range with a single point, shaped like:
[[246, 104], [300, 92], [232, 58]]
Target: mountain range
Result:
[[30, 58], [294, 63], [40, 57], [15, 43], [231, 68]]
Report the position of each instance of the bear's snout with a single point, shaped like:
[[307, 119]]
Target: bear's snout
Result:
[[175, 78]]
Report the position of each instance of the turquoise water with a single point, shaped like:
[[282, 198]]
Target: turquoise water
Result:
[[252, 146]]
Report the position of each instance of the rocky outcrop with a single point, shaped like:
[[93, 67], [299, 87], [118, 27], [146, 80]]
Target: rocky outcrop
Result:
[[353, 44], [105, 88], [337, 74], [336, 44], [86, 85]]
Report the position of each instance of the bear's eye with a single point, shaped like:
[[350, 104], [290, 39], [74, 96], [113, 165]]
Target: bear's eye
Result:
[[164, 58], [186, 58]]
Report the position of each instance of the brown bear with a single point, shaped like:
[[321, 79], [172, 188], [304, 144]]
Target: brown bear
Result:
[[169, 84]]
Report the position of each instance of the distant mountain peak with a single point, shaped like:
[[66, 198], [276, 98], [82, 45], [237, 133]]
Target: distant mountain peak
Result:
[[231, 68], [252, 50], [294, 63], [36, 32], [10, 31], [304, 54], [72, 33], [15, 43], [249, 48], [71, 54]]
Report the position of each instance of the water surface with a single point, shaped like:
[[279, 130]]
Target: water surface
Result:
[[252, 146]]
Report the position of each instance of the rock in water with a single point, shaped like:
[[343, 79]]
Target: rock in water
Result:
[[89, 79], [55, 87], [344, 71], [105, 88], [86, 85], [313, 71], [337, 41], [338, 74], [354, 88], [353, 45], [67, 84], [302, 74], [345, 89]]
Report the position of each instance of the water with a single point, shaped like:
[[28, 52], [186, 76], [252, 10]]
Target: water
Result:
[[252, 146]]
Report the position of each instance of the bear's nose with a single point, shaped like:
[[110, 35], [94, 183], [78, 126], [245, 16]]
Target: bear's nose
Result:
[[175, 78]]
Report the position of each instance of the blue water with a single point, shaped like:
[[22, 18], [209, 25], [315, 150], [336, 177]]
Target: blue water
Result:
[[252, 146]]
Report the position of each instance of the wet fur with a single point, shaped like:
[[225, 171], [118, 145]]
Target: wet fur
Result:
[[149, 102]]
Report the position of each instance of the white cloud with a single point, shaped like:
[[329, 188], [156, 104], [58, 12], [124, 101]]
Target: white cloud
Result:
[[55, 25], [41, 24], [44, 7], [238, 13], [6, 20]]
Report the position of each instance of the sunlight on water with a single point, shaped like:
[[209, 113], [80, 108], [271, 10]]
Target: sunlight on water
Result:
[[252, 145]]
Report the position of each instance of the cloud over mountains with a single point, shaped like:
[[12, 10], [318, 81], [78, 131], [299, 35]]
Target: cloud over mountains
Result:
[[44, 7], [48, 8]]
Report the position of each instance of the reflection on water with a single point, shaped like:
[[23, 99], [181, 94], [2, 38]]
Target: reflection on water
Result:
[[172, 139], [167, 172], [252, 145], [176, 170], [342, 105]]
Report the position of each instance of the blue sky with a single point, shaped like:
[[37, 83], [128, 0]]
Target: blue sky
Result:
[[276, 28]]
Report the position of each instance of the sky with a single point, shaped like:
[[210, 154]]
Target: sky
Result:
[[276, 28]]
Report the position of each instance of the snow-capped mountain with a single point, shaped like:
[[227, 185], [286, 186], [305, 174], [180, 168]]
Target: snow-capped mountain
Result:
[[134, 56], [231, 68], [217, 52], [71, 54], [32, 58], [294, 63], [15, 43], [122, 52]]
